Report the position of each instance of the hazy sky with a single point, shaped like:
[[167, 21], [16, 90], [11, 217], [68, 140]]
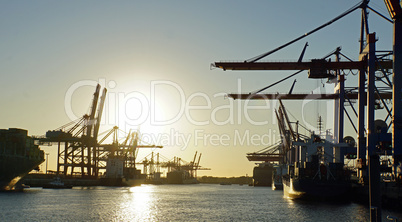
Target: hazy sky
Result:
[[154, 57]]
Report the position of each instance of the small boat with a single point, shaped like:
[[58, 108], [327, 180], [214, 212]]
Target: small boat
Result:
[[57, 184], [24, 186], [225, 183]]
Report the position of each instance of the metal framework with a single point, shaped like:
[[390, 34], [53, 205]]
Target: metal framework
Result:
[[77, 146], [374, 69], [153, 166], [80, 154]]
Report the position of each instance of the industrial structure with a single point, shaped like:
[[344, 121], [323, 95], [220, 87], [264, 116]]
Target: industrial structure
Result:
[[85, 159], [153, 165], [77, 145], [82, 155], [380, 80]]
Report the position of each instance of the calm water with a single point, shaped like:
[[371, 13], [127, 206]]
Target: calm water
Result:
[[200, 202]]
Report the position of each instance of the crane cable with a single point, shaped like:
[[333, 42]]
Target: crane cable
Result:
[[256, 58]]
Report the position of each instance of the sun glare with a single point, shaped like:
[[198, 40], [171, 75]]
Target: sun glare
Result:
[[139, 204], [140, 117]]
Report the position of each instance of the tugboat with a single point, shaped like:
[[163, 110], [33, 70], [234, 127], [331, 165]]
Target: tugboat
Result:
[[18, 156], [56, 184]]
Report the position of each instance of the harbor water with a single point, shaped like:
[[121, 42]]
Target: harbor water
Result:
[[200, 202]]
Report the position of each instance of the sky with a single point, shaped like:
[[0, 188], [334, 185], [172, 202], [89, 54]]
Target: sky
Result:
[[154, 58]]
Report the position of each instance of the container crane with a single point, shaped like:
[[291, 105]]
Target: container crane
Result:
[[370, 62], [80, 141], [125, 152]]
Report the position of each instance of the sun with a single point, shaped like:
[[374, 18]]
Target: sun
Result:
[[137, 114]]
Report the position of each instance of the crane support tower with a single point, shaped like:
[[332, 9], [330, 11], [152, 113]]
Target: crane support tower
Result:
[[77, 145], [374, 89]]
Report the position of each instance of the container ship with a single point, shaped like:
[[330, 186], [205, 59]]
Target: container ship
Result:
[[316, 174], [18, 156], [262, 174], [312, 166]]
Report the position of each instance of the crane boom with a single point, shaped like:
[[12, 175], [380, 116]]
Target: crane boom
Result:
[[394, 8], [198, 163], [99, 114], [287, 120], [93, 110], [127, 138], [195, 156]]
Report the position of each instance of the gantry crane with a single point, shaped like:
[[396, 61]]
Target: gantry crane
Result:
[[120, 158], [369, 63], [80, 150], [372, 66], [153, 167]]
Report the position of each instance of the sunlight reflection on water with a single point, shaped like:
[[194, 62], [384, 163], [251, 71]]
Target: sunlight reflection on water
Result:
[[200, 202], [138, 204]]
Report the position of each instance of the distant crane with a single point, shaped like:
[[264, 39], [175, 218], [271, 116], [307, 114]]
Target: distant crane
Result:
[[171, 165], [126, 151]]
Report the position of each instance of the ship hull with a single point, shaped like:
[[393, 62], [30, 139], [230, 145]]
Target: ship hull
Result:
[[262, 175], [13, 168], [289, 190], [277, 185], [315, 190], [18, 156]]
